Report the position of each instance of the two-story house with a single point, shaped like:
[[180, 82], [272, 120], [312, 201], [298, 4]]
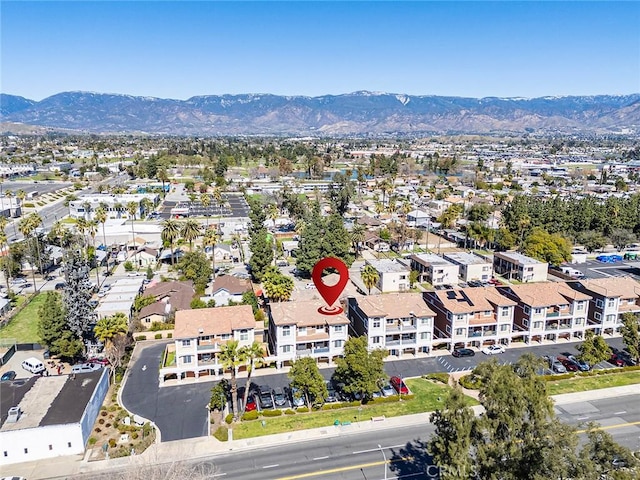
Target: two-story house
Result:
[[434, 269], [514, 265], [199, 335], [472, 266], [548, 311], [393, 276], [400, 323], [611, 297], [471, 317], [298, 329]]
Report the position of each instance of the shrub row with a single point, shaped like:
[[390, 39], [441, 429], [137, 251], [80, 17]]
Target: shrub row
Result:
[[441, 377]]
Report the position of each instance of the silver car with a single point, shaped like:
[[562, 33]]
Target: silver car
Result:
[[297, 398], [387, 390]]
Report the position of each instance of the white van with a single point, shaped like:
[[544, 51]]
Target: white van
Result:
[[33, 365]]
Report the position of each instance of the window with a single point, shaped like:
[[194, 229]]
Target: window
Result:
[[69, 444], [376, 339], [597, 315], [611, 318], [425, 321], [225, 336], [6, 454], [459, 317], [449, 316], [579, 306], [302, 331], [537, 325], [338, 343], [286, 331], [286, 348], [525, 322], [448, 329], [537, 311], [611, 303], [505, 312], [487, 313], [186, 343], [186, 359], [391, 321], [205, 337], [26, 450], [504, 328], [244, 335], [599, 303], [376, 323], [338, 328], [50, 447], [579, 321], [459, 331], [486, 268], [526, 310], [425, 336]]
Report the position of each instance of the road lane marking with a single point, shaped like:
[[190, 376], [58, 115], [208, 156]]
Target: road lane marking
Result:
[[620, 413], [322, 458], [377, 449], [272, 466], [379, 463]]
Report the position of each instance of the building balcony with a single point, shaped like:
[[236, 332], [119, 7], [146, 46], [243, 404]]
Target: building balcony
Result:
[[321, 350], [400, 343], [558, 326], [208, 347]]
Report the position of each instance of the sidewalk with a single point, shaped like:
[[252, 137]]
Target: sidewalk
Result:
[[201, 447]]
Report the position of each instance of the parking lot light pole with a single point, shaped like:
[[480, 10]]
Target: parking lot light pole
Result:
[[208, 420], [385, 461]]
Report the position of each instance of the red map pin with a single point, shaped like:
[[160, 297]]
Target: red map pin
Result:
[[330, 293]]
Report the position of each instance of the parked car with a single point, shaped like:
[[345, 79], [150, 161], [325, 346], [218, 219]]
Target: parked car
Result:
[[399, 385], [616, 360], [387, 390], [265, 396], [297, 398], [85, 368], [8, 376], [332, 395], [581, 364], [251, 404], [556, 365], [18, 281], [60, 286], [279, 397], [463, 352], [569, 365], [493, 349], [98, 361]]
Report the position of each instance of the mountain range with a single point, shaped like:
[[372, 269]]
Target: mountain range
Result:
[[358, 113]]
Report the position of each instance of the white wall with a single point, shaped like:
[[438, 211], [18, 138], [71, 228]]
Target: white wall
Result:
[[38, 441]]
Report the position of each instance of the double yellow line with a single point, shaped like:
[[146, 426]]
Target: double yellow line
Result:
[[378, 463]]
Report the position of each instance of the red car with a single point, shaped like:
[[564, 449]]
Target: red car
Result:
[[399, 385], [99, 361], [251, 404], [569, 365], [616, 360]]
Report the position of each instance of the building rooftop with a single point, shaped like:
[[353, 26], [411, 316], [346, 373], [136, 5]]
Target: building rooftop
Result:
[[470, 300], [625, 287], [546, 294], [518, 257], [304, 314], [399, 305], [388, 266], [213, 321], [465, 258], [430, 259]]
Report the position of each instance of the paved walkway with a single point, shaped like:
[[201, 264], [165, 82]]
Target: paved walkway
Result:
[[69, 466]]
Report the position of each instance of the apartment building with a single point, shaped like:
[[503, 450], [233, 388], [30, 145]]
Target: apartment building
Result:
[[471, 266], [199, 335], [611, 297], [298, 329], [393, 276], [399, 323], [514, 265], [548, 311], [471, 317], [434, 269], [115, 205]]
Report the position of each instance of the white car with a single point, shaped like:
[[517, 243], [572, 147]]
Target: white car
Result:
[[493, 349]]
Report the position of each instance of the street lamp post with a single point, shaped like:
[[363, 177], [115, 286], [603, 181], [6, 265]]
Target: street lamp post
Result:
[[208, 420], [385, 461]]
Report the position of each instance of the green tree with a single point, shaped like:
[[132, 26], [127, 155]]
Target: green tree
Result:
[[592, 241], [594, 349], [77, 294], [413, 278], [306, 377], [195, 266], [190, 231], [360, 370], [231, 358], [547, 247], [450, 444], [52, 324], [277, 286], [219, 395], [260, 246], [211, 239], [310, 246], [254, 355], [109, 327], [336, 241], [370, 277], [631, 334], [620, 238]]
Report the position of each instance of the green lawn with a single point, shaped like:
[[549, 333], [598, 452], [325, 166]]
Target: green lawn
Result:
[[24, 326], [582, 384], [428, 396]]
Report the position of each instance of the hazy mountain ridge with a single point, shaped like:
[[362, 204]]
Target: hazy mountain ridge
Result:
[[354, 113]]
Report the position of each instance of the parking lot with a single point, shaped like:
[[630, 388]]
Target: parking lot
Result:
[[596, 269], [41, 187], [234, 206]]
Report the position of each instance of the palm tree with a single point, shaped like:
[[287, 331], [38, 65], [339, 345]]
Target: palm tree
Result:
[[81, 226], [369, 276], [211, 238], [27, 226], [132, 208], [170, 233], [217, 196], [163, 177], [146, 205], [21, 195], [357, 236], [205, 200], [190, 231], [101, 218], [231, 357], [254, 354], [109, 327], [92, 228], [3, 245]]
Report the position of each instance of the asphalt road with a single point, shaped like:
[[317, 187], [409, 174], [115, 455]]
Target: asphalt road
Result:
[[401, 451], [595, 269], [180, 411]]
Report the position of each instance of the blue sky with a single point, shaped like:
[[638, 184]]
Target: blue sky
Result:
[[181, 49]]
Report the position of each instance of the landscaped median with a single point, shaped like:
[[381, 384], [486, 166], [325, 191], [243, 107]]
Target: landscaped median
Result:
[[426, 396]]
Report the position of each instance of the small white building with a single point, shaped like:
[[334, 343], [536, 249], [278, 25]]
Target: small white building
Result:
[[434, 269], [472, 266], [515, 265], [392, 276], [115, 205]]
